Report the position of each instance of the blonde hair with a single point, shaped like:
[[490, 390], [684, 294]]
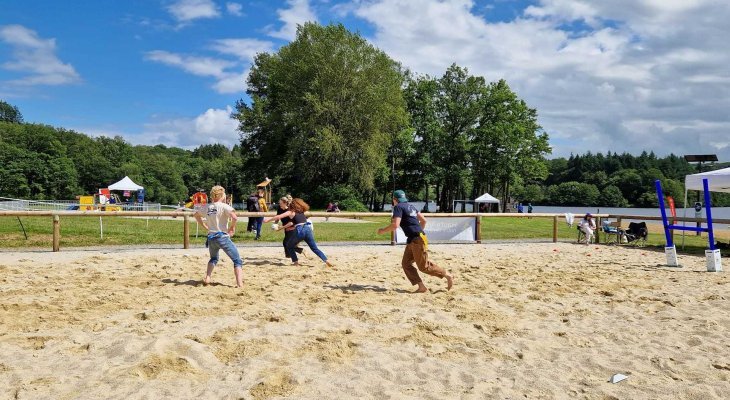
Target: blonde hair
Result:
[[299, 205], [286, 199], [217, 192]]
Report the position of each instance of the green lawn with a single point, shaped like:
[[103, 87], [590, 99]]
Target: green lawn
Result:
[[84, 231]]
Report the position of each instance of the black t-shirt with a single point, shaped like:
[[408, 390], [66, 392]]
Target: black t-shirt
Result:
[[284, 220], [408, 220]]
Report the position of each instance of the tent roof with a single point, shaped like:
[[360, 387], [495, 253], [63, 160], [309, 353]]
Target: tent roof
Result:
[[125, 184], [486, 198], [717, 181]]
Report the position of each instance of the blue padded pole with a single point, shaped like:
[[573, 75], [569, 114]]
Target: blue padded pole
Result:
[[708, 211], [660, 197]]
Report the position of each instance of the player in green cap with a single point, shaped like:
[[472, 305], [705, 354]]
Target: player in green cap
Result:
[[413, 222]]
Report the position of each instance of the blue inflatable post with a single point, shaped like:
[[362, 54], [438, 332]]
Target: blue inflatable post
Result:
[[669, 250], [714, 261], [708, 212]]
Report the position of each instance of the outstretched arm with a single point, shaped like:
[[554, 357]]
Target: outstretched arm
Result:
[[200, 221], [390, 228], [279, 217]]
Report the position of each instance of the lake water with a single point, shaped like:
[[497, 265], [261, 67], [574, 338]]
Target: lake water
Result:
[[717, 212]]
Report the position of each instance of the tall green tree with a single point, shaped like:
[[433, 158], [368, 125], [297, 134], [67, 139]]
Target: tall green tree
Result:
[[324, 110], [509, 145], [10, 113]]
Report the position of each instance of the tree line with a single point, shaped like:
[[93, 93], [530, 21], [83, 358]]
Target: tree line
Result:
[[329, 117]]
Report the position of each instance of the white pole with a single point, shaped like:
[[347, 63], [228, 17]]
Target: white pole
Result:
[[101, 229]]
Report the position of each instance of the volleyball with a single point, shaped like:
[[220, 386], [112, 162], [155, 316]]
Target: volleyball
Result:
[[274, 226]]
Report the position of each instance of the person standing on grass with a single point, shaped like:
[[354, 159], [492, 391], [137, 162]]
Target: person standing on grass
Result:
[[302, 231], [262, 207], [285, 216], [217, 214], [413, 223]]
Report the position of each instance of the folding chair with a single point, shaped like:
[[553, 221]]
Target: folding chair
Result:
[[637, 233], [613, 231]]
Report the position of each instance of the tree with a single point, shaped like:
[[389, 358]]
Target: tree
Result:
[[509, 144], [611, 197], [10, 113], [323, 110], [574, 194]]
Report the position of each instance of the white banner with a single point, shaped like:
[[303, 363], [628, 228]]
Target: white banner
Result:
[[456, 228]]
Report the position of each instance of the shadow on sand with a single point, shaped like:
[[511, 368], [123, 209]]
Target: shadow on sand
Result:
[[192, 282], [363, 288]]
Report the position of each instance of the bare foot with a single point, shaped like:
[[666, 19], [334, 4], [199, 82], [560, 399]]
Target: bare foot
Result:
[[449, 282], [421, 288], [296, 263], [206, 281], [329, 264]]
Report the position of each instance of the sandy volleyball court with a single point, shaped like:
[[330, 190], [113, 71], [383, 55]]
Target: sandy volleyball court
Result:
[[523, 321]]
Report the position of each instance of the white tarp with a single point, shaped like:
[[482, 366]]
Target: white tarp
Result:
[[486, 198], [717, 181], [456, 228], [125, 184]]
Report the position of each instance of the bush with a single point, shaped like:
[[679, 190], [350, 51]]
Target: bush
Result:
[[352, 205], [346, 196]]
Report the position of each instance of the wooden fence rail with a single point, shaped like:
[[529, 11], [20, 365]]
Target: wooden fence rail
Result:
[[556, 217]]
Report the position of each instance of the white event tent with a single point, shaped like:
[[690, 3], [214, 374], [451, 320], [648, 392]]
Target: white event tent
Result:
[[486, 198], [125, 184], [717, 181]]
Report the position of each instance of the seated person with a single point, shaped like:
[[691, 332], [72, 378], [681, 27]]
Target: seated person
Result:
[[588, 226]]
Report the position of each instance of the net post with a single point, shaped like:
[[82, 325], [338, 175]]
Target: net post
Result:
[[186, 231], [56, 233]]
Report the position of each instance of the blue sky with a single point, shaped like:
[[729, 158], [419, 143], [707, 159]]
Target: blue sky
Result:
[[625, 75]]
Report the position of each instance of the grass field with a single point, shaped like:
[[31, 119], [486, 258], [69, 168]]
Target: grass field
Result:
[[84, 231]]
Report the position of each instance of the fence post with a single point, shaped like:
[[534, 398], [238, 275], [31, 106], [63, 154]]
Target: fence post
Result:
[[186, 232], [478, 233], [598, 230], [555, 228], [392, 238], [56, 232]]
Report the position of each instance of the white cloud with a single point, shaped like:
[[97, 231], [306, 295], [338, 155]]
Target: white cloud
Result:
[[35, 58], [230, 75], [595, 87], [185, 11], [244, 49], [212, 126], [298, 13], [234, 9], [201, 66]]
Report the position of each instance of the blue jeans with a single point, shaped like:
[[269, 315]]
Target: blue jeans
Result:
[[219, 241], [259, 222], [303, 233]]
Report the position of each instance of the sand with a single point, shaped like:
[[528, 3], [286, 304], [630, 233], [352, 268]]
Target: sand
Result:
[[537, 320]]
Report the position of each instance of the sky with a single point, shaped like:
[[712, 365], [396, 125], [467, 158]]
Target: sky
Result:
[[620, 75]]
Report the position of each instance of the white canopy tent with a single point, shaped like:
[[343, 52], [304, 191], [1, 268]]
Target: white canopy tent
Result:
[[717, 181], [125, 184], [486, 198]]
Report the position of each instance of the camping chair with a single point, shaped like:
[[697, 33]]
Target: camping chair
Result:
[[637, 233], [613, 231], [582, 235]]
